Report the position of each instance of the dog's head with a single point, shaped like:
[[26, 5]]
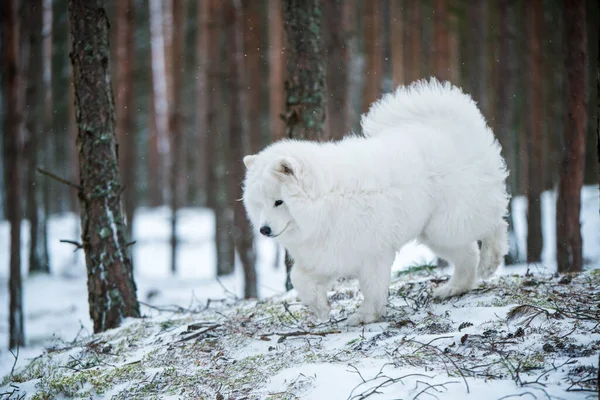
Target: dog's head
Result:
[[272, 190]]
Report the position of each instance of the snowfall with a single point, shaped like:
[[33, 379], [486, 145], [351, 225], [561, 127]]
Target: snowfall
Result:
[[525, 333]]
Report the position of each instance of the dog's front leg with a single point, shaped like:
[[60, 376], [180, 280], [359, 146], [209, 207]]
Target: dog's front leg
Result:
[[311, 291], [374, 285]]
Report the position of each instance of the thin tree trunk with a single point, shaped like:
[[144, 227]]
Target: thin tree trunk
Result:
[[175, 123], [253, 24], [373, 28], [506, 93], [569, 254], [477, 45], [111, 287], [213, 65], [442, 42], [161, 106], [15, 79], [305, 83], [534, 189], [125, 110], [239, 141], [276, 70], [453, 42], [202, 98], [337, 32], [37, 254], [397, 45], [414, 39], [598, 117]]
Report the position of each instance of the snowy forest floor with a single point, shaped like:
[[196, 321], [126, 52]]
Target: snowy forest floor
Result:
[[526, 332]]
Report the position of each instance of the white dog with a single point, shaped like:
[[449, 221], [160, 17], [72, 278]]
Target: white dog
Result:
[[428, 168]]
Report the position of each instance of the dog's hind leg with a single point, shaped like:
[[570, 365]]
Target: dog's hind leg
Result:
[[374, 285], [311, 291], [465, 260]]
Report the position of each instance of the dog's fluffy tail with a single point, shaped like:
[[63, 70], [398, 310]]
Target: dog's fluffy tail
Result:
[[431, 102], [493, 248]]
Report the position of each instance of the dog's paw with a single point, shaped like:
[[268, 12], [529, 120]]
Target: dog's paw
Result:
[[321, 312], [449, 290], [359, 318]]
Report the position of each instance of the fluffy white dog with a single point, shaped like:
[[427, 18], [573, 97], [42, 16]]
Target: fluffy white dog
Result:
[[427, 168]]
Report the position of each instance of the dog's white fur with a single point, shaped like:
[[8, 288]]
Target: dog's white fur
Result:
[[428, 168]]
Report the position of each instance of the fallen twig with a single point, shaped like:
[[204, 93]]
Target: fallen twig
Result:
[[199, 333]]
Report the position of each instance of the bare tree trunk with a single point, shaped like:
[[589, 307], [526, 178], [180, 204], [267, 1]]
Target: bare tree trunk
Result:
[[253, 24], [569, 254], [305, 83], [213, 66], [414, 39], [15, 78], [202, 98], [398, 43], [534, 189], [442, 42], [34, 120], [276, 70], [175, 123], [373, 28], [598, 118], [506, 93], [337, 62], [477, 46], [453, 43], [111, 287], [161, 106], [125, 110], [239, 141]]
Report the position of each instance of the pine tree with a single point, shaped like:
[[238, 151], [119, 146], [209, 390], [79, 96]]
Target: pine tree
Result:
[[111, 287]]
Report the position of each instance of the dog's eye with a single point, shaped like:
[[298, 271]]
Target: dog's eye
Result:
[[278, 203]]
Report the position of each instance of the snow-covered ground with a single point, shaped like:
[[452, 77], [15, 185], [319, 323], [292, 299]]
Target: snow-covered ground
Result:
[[330, 364]]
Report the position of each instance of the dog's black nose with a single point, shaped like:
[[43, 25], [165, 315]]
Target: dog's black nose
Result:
[[265, 230]]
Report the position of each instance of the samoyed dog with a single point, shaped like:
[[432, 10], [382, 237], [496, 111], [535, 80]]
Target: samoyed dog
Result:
[[428, 168]]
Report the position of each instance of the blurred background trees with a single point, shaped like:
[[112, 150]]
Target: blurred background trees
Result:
[[199, 83]]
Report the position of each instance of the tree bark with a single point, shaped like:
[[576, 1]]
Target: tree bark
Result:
[[240, 140], [373, 28], [534, 189], [125, 110], [175, 123], [160, 88], [569, 254], [14, 76], [506, 93], [414, 41], [202, 98], [305, 83], [397, 45], [477, 46], [253, 24], [213, 66], [337, 33], [38, 261], [442, 41], [276, 71], [111, 287]]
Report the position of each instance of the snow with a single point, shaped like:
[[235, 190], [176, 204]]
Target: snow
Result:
[[347, 362]]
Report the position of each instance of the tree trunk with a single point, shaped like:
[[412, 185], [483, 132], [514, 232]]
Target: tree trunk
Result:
[[239, 140], [534, 189], [38, 261], [336, 34], [598, 113], [305, 83], [14, 76], [202, 99], [213, 65], [506, 93], [477, 46], [253, 24], [111, 287], [414, 39], [569, 255], [276, 71], [46, 158], [453, 42], [397, 45], [161, 106], [125, 110], [373, 28], [442, 41]]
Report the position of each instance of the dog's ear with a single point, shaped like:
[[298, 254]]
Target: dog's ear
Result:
[[249, 160], [285, 167]]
